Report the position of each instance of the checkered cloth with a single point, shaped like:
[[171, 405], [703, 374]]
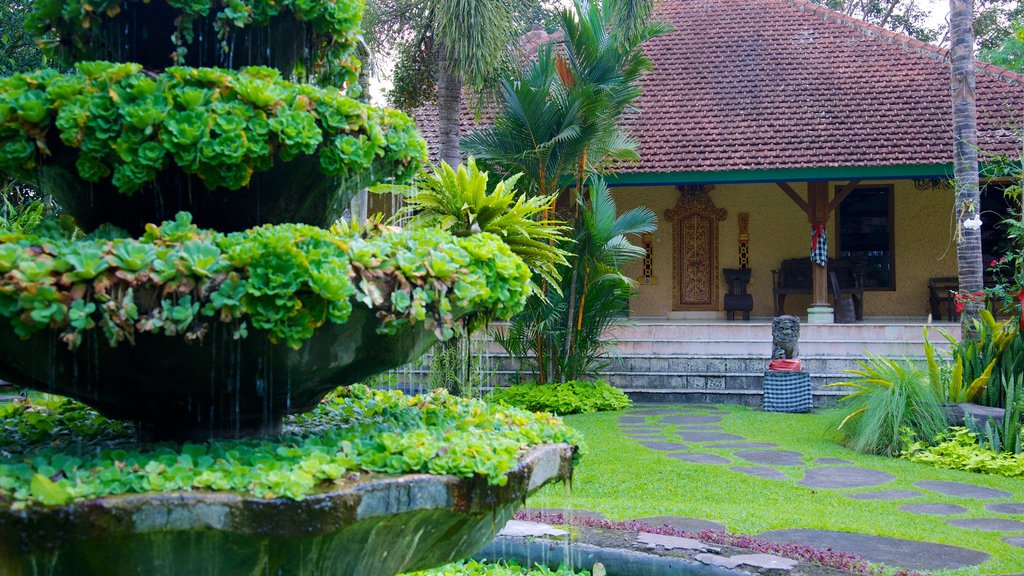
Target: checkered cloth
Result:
[[819, 245], [787, 391]]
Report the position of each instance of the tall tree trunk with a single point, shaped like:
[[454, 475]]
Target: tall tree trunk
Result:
[[449, 108], [965, 158]]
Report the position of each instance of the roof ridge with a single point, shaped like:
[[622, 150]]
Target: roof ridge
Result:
[[907, 42]]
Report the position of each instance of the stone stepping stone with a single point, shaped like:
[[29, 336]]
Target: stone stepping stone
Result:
[[709, 436], [933, 508], [701, 428], [524, 529], [841, 478], [763, 561], [761, 472], [896, 552], [654, 412], [652, 541], [643, 433], [665, 446], [1017, 541], [699, 458], [691, 419], [632, 420], [742, 445], [989, 524], [772, 457], [1005, 507], [691, 525], [832, 462], [541, 514], [885, 495], [962, 489]]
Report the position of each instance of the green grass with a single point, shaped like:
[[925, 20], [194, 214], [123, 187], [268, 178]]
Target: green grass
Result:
[[625, 480]]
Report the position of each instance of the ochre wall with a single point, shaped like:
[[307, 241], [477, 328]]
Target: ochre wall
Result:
[[779, 230]]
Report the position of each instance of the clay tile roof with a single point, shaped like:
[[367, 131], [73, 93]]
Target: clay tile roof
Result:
[[783, 84]]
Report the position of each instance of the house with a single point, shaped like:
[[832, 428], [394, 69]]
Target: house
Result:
[[763, 116]]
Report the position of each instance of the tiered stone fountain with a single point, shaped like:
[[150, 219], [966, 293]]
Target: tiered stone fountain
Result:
[[133, 145]]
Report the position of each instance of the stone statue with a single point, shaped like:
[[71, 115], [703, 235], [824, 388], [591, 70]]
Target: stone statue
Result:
[[785, 337]]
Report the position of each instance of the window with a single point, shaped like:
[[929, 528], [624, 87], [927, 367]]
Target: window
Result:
[[995, 208], [865, 223]]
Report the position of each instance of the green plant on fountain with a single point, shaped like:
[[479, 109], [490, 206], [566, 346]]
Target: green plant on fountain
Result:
[[202, 300]]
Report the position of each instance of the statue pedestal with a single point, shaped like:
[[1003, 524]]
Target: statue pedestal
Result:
[[787, 391]]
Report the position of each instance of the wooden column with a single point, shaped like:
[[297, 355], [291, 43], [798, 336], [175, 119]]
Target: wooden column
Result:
[[817, 213]]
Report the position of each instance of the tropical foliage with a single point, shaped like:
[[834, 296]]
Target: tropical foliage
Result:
[[18, 49], [560, 122], [573, 397], [75, 30], [890, 398], [287, 280], [474, 568], [961, 449], [357, 429], [220, 125]]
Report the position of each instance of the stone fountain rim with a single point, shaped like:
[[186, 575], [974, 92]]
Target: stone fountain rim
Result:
[[371, 495]]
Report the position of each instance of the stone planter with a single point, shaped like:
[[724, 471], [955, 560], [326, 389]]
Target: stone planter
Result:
[[372, 526], [217, 387]]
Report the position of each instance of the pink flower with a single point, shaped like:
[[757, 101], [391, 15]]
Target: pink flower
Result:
[[993, 263]]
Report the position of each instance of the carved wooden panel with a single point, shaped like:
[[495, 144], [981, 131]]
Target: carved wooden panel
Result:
[[695, 268]]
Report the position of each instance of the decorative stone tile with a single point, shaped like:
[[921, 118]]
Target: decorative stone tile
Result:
[[988, 524], [907, 554], [934, 508], [709, 436], [672, 543], [699, 458], [1005, 507], [691, 525], [885, 495], [523, 529], [840, 478], [772, 457], [962, 489], [763, 561], [761, 472]]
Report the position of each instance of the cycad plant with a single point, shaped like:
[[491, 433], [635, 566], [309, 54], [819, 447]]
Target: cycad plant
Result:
[[889, 397]]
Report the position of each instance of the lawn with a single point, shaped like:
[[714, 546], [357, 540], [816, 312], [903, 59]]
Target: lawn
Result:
[[622, 479]]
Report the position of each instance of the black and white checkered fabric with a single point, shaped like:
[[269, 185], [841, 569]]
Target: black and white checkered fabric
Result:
[[819, 251], [786, 391]]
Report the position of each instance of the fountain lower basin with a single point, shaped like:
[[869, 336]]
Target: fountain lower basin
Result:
[[374, 525]]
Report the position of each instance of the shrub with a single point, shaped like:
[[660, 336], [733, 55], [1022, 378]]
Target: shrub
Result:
[[358, 429], [959, 450], [287, 279], [220, 125], [574, 397], [890, 396]]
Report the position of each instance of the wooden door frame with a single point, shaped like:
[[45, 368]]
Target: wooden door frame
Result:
[[695, 201]]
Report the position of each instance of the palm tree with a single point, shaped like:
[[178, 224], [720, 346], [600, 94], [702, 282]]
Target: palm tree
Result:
[[443, 47], [965, 163]]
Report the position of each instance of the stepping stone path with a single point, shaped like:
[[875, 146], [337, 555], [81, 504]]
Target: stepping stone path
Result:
[[699, 458], [708, 436], [702, 425], [665, 446], [962, 490], [742, 445], [934, 508], [543, 514], [885, 495], [651, 541], [773, 457], [909, 554], [764, 561], [691, 419], [692, 525], [832, 462], [523, 529], [1005, 507], [761, 472], [839, 478], [989, 524]]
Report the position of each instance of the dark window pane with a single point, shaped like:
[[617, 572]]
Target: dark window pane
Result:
[[865, 235]]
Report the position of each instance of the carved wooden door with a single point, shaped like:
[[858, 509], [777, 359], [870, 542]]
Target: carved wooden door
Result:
[[695, 221]]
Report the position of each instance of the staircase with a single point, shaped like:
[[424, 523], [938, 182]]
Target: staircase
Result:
[[659, 360]]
